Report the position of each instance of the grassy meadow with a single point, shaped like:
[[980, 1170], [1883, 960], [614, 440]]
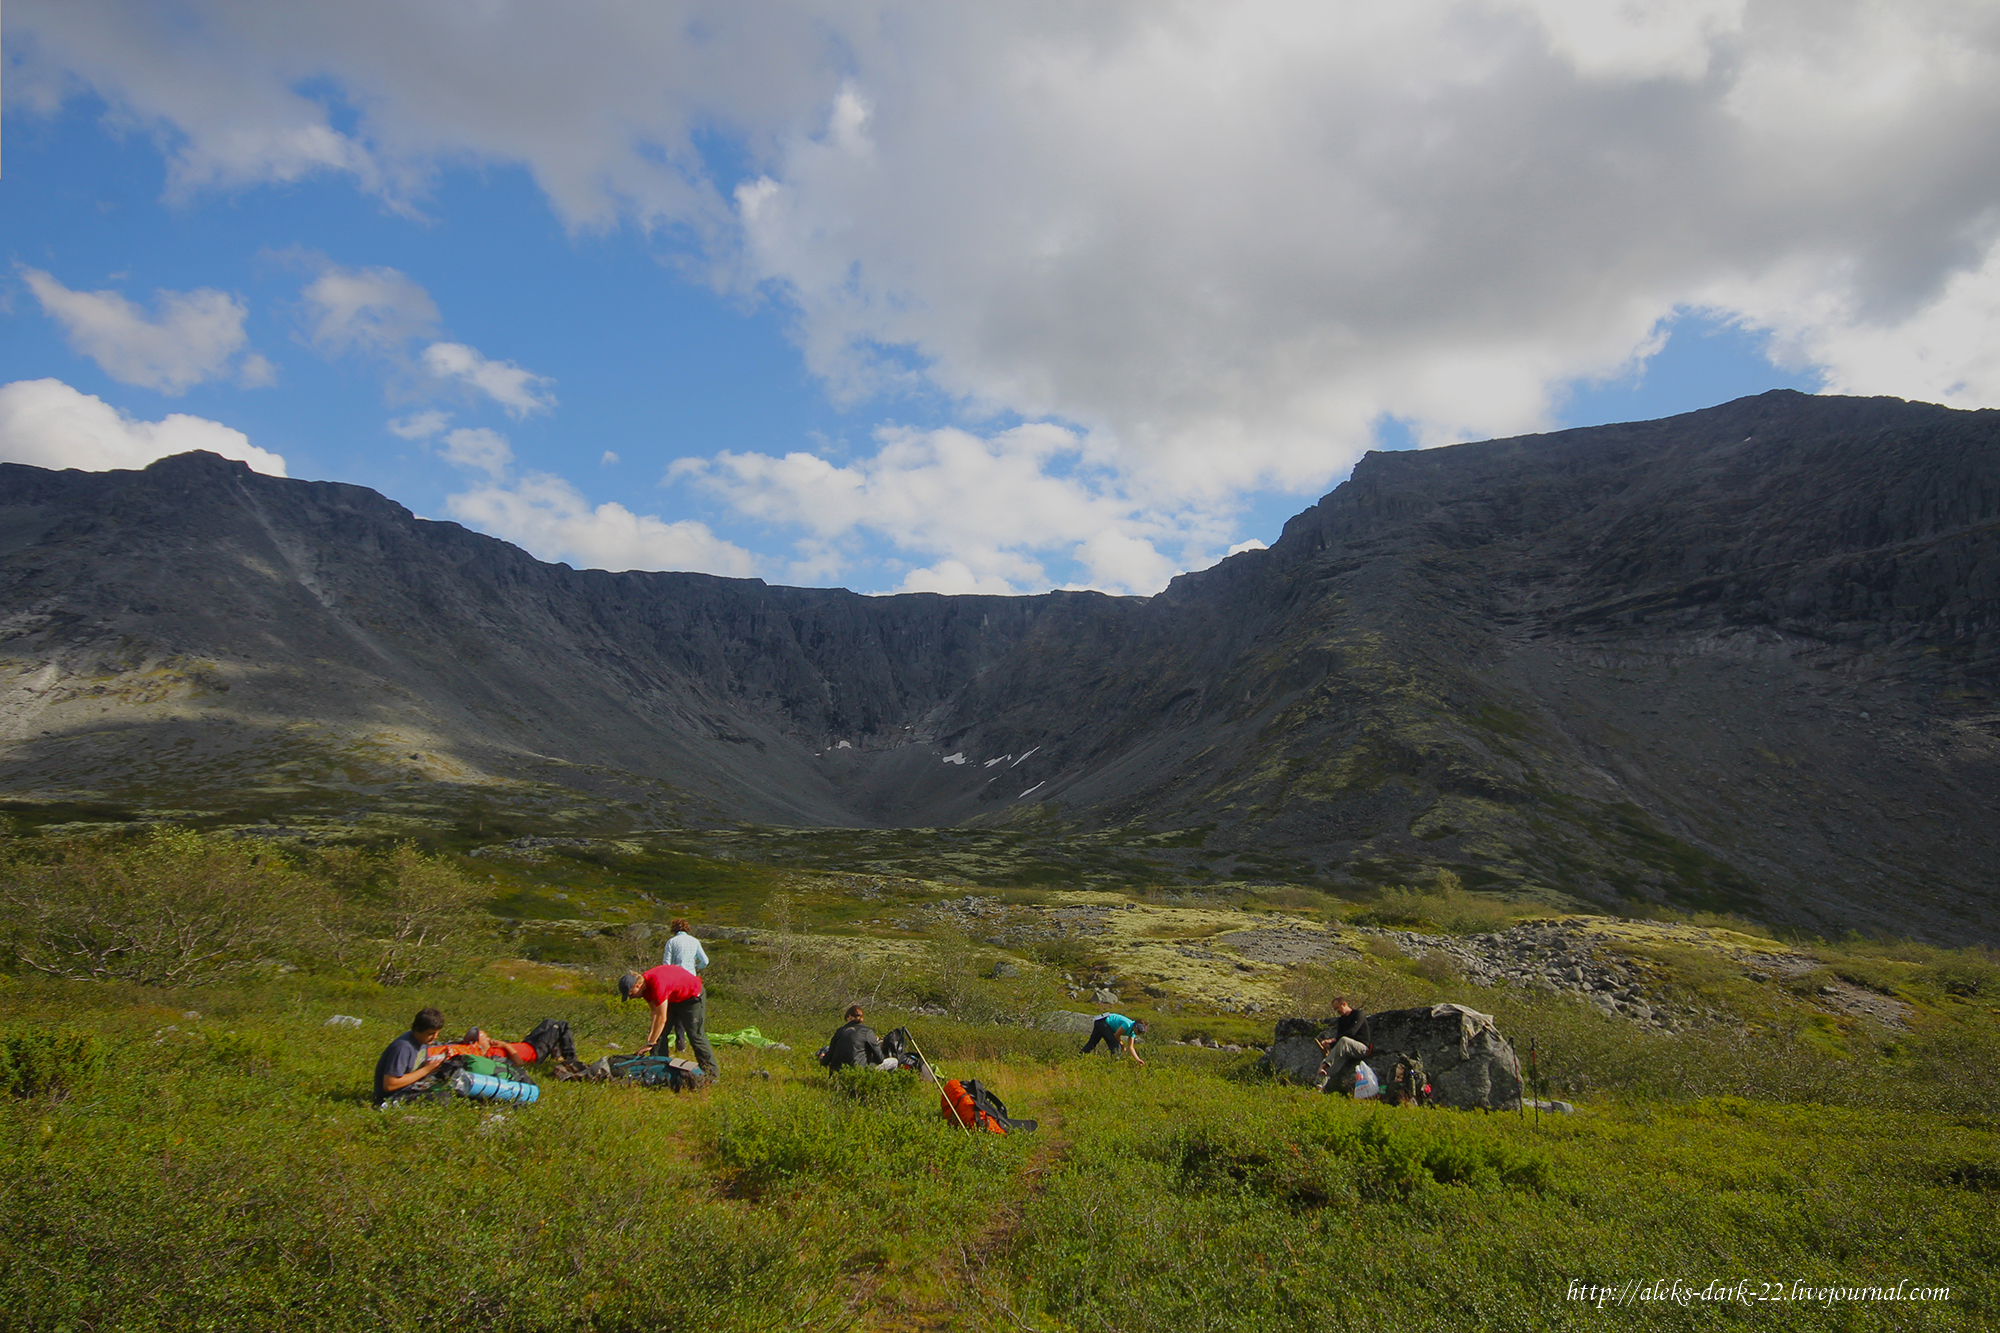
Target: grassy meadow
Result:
[[193, 1148]]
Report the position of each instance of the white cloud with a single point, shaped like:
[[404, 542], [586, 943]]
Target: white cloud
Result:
[[1222, 238], [478, 448], [382, 312], [376, 310], [993, 507], [49, 424], [1252, 545], [1943, 351], [517, 390], [608, 459], [1116, 558], [419, 425], [548, 517], [954, 577], [190, 339], [256, 372]]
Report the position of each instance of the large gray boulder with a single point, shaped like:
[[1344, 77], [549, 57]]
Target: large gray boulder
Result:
[[1468, 1062]]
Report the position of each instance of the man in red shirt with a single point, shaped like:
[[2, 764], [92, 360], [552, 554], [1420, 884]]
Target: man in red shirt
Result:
[[674, 993]]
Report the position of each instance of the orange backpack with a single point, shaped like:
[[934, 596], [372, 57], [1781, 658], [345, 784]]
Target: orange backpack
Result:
[[974, 1107]]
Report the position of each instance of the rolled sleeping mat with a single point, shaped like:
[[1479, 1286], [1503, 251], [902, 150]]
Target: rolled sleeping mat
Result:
[[494, 1089]]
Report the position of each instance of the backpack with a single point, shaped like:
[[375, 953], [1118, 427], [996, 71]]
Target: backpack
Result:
[[972, 1106], [551, 1037], [1407, 1085], [897, 1046], [658, 1071]]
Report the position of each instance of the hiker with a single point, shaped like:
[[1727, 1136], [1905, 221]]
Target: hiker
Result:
[[674, 993], [479, 1042], [684, 950], [404, 1065], [854, 1045], [1115, 1031], [1347, 1047]]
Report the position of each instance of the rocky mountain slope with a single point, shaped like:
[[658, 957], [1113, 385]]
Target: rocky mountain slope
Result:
[[1741, 659]]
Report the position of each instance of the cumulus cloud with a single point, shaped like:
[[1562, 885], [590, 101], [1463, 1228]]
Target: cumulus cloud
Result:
[[384, 312], [478, 448], [986, 511], [549, 517], [1223, 239], [517, 390], [190, 339], [49, 424]]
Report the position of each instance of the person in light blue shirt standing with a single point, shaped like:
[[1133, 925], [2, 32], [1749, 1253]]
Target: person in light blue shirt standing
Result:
[[684, 950]]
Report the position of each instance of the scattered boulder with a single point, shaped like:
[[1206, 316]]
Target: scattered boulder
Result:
[[1103, 996], [1003, 969], [1469, 1063], [1066, 1020], [1295, 1054]]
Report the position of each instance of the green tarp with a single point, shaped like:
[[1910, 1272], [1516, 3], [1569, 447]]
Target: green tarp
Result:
[[747, 1037]]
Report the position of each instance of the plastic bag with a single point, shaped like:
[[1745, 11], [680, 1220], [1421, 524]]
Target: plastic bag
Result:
[[1365, 1083]]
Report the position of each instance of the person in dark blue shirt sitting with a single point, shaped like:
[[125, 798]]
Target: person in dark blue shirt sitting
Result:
[[401, 1072]]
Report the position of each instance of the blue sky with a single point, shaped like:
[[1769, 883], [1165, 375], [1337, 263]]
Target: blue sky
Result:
[[923, 303]]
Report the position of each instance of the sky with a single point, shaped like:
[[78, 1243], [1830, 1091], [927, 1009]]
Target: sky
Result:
[[964, 297]]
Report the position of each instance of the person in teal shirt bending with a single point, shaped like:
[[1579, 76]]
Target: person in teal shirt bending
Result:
[[1115, 1030]]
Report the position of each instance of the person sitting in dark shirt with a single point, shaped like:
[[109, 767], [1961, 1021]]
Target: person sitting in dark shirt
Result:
[[853, 1044], [1346, 1048], [401, 1073]]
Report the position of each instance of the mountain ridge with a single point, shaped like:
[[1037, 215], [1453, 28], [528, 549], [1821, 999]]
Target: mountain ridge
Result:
[[1633, 664]]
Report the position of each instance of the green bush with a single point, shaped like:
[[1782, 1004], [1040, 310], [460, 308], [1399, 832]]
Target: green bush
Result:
[[48, 1063], [169, 909], [1446, 908]]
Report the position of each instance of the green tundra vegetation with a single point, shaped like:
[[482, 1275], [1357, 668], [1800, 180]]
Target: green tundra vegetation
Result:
[[189, 1145]]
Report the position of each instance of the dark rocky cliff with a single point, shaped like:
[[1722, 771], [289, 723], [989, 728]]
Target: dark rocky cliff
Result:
[[1743, 658]]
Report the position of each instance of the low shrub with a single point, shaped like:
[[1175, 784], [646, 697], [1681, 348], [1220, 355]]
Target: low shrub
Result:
[[41, 1063]]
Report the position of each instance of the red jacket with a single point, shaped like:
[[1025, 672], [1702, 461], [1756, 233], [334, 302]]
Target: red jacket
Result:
[[668, 984]]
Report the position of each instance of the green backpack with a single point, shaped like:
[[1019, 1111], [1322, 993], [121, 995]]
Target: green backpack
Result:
[[1407, 1084]]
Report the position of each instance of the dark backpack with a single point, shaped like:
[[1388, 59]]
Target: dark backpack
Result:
[[989, 1104], [551, 1038], [897, 1046], [658, 1071]]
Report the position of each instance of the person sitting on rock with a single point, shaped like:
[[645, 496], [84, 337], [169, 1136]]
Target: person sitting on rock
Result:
[[1346, 1048], [1115, 1031], [854, 1045]]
